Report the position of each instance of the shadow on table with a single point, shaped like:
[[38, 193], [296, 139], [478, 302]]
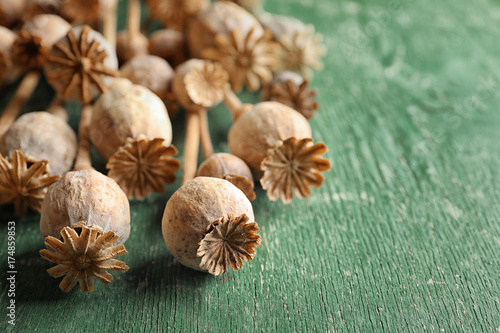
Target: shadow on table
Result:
[[32, 282], [164, 273]]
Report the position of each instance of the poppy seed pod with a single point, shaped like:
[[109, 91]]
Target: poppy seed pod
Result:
[[89, 196], [85, 220], [220, 18], [126, 111], [263, 127], [230, 168], [151, 72], [42, 136], [208, 225]]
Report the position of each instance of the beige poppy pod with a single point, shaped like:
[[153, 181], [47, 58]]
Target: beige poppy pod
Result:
[[36, 38], [291, 89], [126, 111], [96, 65], [170, 45], [264, 127], [200, 207], [87, 11], [85, 220], [199, 84], [220, 18], [128, 48], [42, 136], [8, 71], [11, 11], [173, 14], [151, 72], [281, 78], [230, 168], [88, 196], [302, 48]]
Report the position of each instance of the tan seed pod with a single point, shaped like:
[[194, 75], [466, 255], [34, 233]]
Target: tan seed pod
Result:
[[151, 72], [127, 111], [174, 13], [265, 126], [23, 183], [88, 196], [291, 89], [87, 11], [81, 65], [42, 136], [230, 168], [128, 48], [220, 18], [208, 225], [36, 38], [8, 71], [91, 214], [11, 12], [199, 84], [302, 48], [281, 78], [170, 45], [130, 128]]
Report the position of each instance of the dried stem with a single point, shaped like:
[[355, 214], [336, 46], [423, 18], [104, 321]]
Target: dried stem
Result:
[[23, 92], [109, 27], [206, 142], [134, 19], [57, 107], [191, 146], [235, 105], [83, 161]]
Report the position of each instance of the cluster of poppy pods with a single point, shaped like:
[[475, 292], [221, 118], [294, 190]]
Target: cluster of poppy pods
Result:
[[130, 85]]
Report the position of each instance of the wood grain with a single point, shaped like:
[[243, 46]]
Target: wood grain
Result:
[[404, 235]]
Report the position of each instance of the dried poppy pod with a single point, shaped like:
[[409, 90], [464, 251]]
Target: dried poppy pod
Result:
[[208, 226], [248, 58], [91, 214], [23, 183], [87, 11], [219, 18], [198, 86], [130, 128], [36, 38], [131, 42], [170, 45], [8, 71], [275, 141], [230, 168], [81, 65], [291, 89], [261, 128], [42, 136], [151, 72], [37, 7], [174, 13], [302, 48], [128, 47], [11, 12]]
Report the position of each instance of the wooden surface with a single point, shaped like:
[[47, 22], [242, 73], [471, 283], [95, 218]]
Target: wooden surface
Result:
[[404, 234]]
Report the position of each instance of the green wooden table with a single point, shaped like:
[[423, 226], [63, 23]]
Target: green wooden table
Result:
[[403, 236]]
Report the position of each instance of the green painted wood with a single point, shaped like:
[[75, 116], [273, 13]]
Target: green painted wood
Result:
[[404, 235]]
